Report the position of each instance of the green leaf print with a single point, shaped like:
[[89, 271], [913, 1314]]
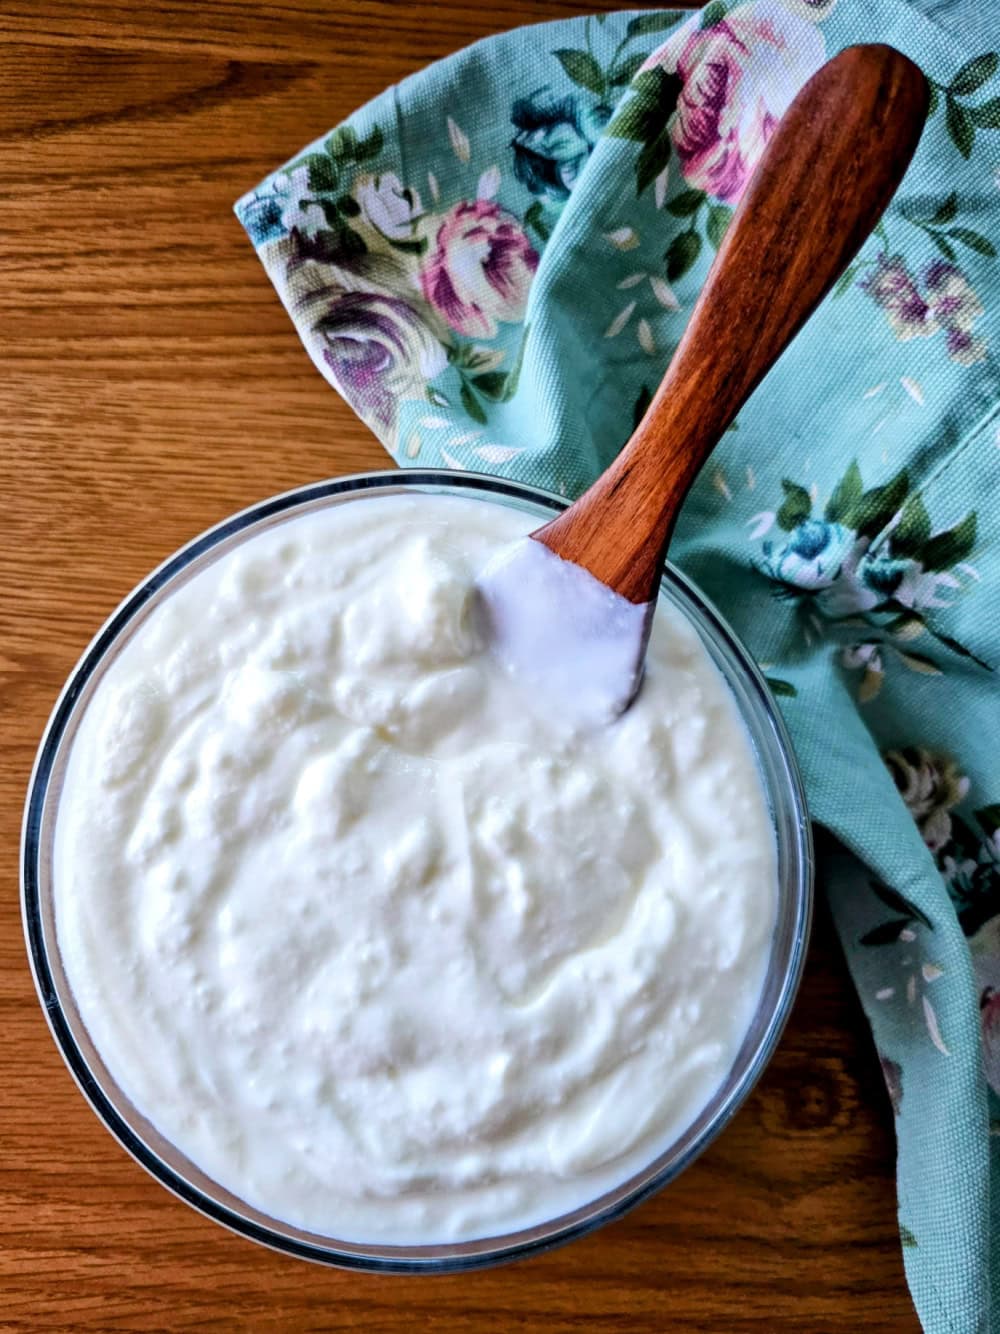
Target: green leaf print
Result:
[[342, 147], [870, 553], [796, 508], [961, 119], [974, 73], [644, 119], [974, 241], [644, 24], [713, 14], [846, 497], [781, 689], [960, 127], [652, 160], [845, 280], [370, 146], [323, 175], [418, 246], [923, 211], [989, 819], [492, 385], [686, 203], [719, 218], [583, 69], [495, 386], [947, 250], [652, 102], [535, 218], [877, 506], [637, 121], [342, 143], [913, 529], [341, 240], [472, 405], [682, 254], [466, 358], [987, 114], [625, 71], [514, 374], [948, 548], [907, 1237]]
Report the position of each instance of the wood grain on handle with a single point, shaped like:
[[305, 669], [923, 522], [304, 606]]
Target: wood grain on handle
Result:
[[827, 174]]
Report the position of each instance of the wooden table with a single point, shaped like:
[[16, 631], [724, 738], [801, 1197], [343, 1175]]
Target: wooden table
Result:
[[152, 384]]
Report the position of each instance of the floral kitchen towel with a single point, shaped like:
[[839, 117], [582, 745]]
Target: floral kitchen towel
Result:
[[493, 262]]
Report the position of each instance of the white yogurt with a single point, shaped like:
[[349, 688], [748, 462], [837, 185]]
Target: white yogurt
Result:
[[562, 632], [383, 944]]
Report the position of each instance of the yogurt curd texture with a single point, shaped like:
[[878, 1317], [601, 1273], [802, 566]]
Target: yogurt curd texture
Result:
[[388, 948]]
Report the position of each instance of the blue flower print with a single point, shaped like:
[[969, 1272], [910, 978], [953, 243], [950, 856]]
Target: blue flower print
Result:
[[811, 557], [261, 216], [555, 136]]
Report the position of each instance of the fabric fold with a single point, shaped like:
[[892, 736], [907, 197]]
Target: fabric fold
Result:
[[493, 262]]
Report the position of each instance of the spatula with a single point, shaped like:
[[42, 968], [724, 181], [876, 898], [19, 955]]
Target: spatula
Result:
[[570, 607]]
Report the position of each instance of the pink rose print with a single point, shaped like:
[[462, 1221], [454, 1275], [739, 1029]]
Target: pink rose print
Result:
[[740, 75], [480, 270]]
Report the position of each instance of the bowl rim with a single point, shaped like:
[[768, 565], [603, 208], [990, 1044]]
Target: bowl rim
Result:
[[375, 1257]]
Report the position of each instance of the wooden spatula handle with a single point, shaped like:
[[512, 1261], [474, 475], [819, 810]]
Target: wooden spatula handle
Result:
[[828, 172]]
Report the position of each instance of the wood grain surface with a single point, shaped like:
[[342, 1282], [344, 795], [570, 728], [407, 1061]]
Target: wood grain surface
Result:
[[151, 384]]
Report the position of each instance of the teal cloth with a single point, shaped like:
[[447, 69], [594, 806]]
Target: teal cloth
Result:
[[492, 263]]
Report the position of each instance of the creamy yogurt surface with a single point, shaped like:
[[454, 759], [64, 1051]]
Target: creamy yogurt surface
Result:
[[386, 946]]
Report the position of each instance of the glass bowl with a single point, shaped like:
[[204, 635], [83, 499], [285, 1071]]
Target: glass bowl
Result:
[[142, 1139]]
